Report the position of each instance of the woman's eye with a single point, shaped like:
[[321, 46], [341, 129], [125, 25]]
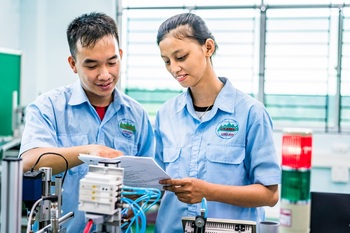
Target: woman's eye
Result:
[[181, 58]]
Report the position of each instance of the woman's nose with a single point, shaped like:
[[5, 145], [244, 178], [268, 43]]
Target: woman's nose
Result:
[[174, 68]]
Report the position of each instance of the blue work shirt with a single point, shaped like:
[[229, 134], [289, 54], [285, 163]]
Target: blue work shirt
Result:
[[64, 117], [233, 145]]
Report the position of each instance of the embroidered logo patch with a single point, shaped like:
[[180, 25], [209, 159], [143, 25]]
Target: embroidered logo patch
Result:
[[127, 128], [227, 128]]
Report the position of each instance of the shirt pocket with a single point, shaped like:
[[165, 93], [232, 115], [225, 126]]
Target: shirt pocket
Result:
[[171, 158], [224, 165], [128, 147]]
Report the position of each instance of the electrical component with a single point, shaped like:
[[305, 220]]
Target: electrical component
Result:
[[202, 224], [201, 220], [32, 180], [54, 217], [104, 199], [45, 208], [100, 193], [216, 225]]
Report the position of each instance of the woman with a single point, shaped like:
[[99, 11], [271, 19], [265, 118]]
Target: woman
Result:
[[213, 140]]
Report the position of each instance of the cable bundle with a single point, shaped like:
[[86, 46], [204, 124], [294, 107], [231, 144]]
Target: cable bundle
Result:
[[148, 198]]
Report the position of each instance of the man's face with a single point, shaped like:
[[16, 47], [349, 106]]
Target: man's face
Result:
[[98, 68]]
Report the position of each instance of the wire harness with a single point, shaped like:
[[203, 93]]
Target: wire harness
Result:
[[148, 198]]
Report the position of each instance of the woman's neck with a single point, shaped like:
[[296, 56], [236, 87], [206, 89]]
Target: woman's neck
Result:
[[205, 95]]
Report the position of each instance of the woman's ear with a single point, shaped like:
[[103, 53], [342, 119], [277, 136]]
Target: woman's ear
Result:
[[210, 47]]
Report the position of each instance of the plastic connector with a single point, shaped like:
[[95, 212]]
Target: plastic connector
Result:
[[52, 198]]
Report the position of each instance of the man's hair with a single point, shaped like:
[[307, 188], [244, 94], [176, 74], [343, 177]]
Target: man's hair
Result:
[[90, 28]]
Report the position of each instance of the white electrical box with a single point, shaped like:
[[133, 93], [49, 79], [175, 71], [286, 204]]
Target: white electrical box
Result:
[[100, 190], [216, 225]]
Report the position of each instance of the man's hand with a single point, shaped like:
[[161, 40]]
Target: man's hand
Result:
[[104, 151]]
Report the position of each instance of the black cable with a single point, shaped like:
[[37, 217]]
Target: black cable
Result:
[[53, 153]]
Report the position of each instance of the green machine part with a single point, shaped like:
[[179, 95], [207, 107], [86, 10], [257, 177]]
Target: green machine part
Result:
[[10, 73]]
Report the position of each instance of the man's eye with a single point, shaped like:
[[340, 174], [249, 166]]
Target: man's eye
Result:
[[112, 63], [91, 67]]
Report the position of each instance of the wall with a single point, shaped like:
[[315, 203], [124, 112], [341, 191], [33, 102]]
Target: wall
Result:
[[38, 28], [9, 23]]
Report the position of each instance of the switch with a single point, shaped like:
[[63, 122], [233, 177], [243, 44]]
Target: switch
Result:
[[340, 174]]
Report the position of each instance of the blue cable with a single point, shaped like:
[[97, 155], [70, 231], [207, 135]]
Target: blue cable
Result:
[[138, 213], [146, 195], [205, 207]]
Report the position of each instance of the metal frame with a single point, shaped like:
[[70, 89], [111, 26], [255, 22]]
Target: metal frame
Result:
[[262, 46]]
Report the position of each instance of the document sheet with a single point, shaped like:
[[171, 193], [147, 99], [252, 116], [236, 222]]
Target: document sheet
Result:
[[142, 172]]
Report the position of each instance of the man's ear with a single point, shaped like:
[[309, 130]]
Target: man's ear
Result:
[[120, 54], [71, 62]]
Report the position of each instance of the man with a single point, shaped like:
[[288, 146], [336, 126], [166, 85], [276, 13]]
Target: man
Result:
[[89, 116]]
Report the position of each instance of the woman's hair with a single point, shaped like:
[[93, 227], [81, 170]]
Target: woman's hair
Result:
[[89, 28], [186, 25]]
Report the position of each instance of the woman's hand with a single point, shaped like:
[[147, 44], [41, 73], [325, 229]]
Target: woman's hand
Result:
[[187, 190]]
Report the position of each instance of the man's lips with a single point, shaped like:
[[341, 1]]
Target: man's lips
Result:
[[104, 86]]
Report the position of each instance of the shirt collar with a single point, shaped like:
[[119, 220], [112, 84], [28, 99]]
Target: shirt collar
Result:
[[226, 100], [79, 96]]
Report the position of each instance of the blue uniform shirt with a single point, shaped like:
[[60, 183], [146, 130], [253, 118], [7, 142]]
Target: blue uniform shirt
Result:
[[233, 145], [64, 117]]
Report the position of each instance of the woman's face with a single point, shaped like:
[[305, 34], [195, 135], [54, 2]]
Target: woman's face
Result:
[[185, 59]]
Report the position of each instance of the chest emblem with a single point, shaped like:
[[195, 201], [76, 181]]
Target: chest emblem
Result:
[[127, 128], [227, 128]]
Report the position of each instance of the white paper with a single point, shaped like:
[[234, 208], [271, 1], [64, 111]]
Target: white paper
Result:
[[141, 172]]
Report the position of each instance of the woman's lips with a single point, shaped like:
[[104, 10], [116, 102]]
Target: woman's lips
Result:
[[181, 78]]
